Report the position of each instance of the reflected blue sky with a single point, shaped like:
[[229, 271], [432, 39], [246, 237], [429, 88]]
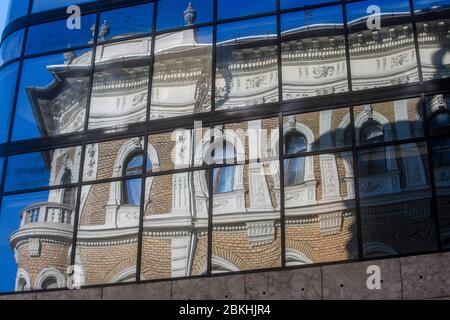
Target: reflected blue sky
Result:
[[358, 10], [247, 28], [55, 35], [238, 8], [34, 74], [429, 4], [26, 171], [288, 4], [129, 20], [41, 5], [11, 47], [8, 77], [170, 12], [329, 15], [9, 223]]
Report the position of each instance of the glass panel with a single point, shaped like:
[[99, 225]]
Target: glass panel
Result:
[[120, 88], [182, 73], [8, 79], [109, 159], [395, 200], [42, 169], [180, 200], [430, 5], [246, 217], [320, 209], [234, 8], [56, 35], [53, 95], [11, 47], [30, 259], [305, 72], [1, 169], [384, 56], [107, 237], [438, 114], [44, 5], [255, 140], [433, 27], [315, 131], [441, 164], [388, 121], [17, 9], [179, 149], [128, 21], [176, 13], [287, 4], [247, 67]]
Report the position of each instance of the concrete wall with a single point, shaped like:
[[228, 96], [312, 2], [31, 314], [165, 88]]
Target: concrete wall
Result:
[[415, 277]]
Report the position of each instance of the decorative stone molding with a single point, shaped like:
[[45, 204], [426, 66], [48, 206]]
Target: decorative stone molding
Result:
[[23, 280], [330, 223], [34, 247], [260, 233]]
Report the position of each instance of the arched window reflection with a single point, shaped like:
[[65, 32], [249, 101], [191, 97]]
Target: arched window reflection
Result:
[[372, 162], [132, 188], [69, 196], [294, 169], [223, 176], [440, 123]]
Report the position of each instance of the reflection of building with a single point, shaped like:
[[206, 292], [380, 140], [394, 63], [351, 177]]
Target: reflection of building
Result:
[[319, 189]]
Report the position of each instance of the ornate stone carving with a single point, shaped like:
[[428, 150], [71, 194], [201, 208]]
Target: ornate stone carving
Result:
[[323, 72], [34, 247], [260, 233], [330, 223]]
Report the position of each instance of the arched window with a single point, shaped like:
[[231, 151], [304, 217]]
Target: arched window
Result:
[[69, 193], [133, 166], [440, 123], [49, 283], [372, 161], [22, 285], [294, 169], [223, 176]]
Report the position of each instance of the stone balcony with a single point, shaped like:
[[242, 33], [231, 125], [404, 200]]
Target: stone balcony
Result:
[[46, 220]]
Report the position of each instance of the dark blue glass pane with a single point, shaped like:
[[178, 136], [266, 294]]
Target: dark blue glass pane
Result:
[[8, 77], [330, 17], [42, 105], [11, 47], [238, 8], [56, 35], [176, 13], [1, 169], [17, 9], [440, 123], [42, 5], [126, 21], [247, 30], [287, 4], [359, 10], [27, 171], [427, 5]]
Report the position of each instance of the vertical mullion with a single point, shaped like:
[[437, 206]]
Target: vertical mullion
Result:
[[434, 202], [214, 59], [416, 40], [347, 46], [83, 147], [210, 208], [145, 158], [281, 174], [91, 77], [358, 214], [279, 54]]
